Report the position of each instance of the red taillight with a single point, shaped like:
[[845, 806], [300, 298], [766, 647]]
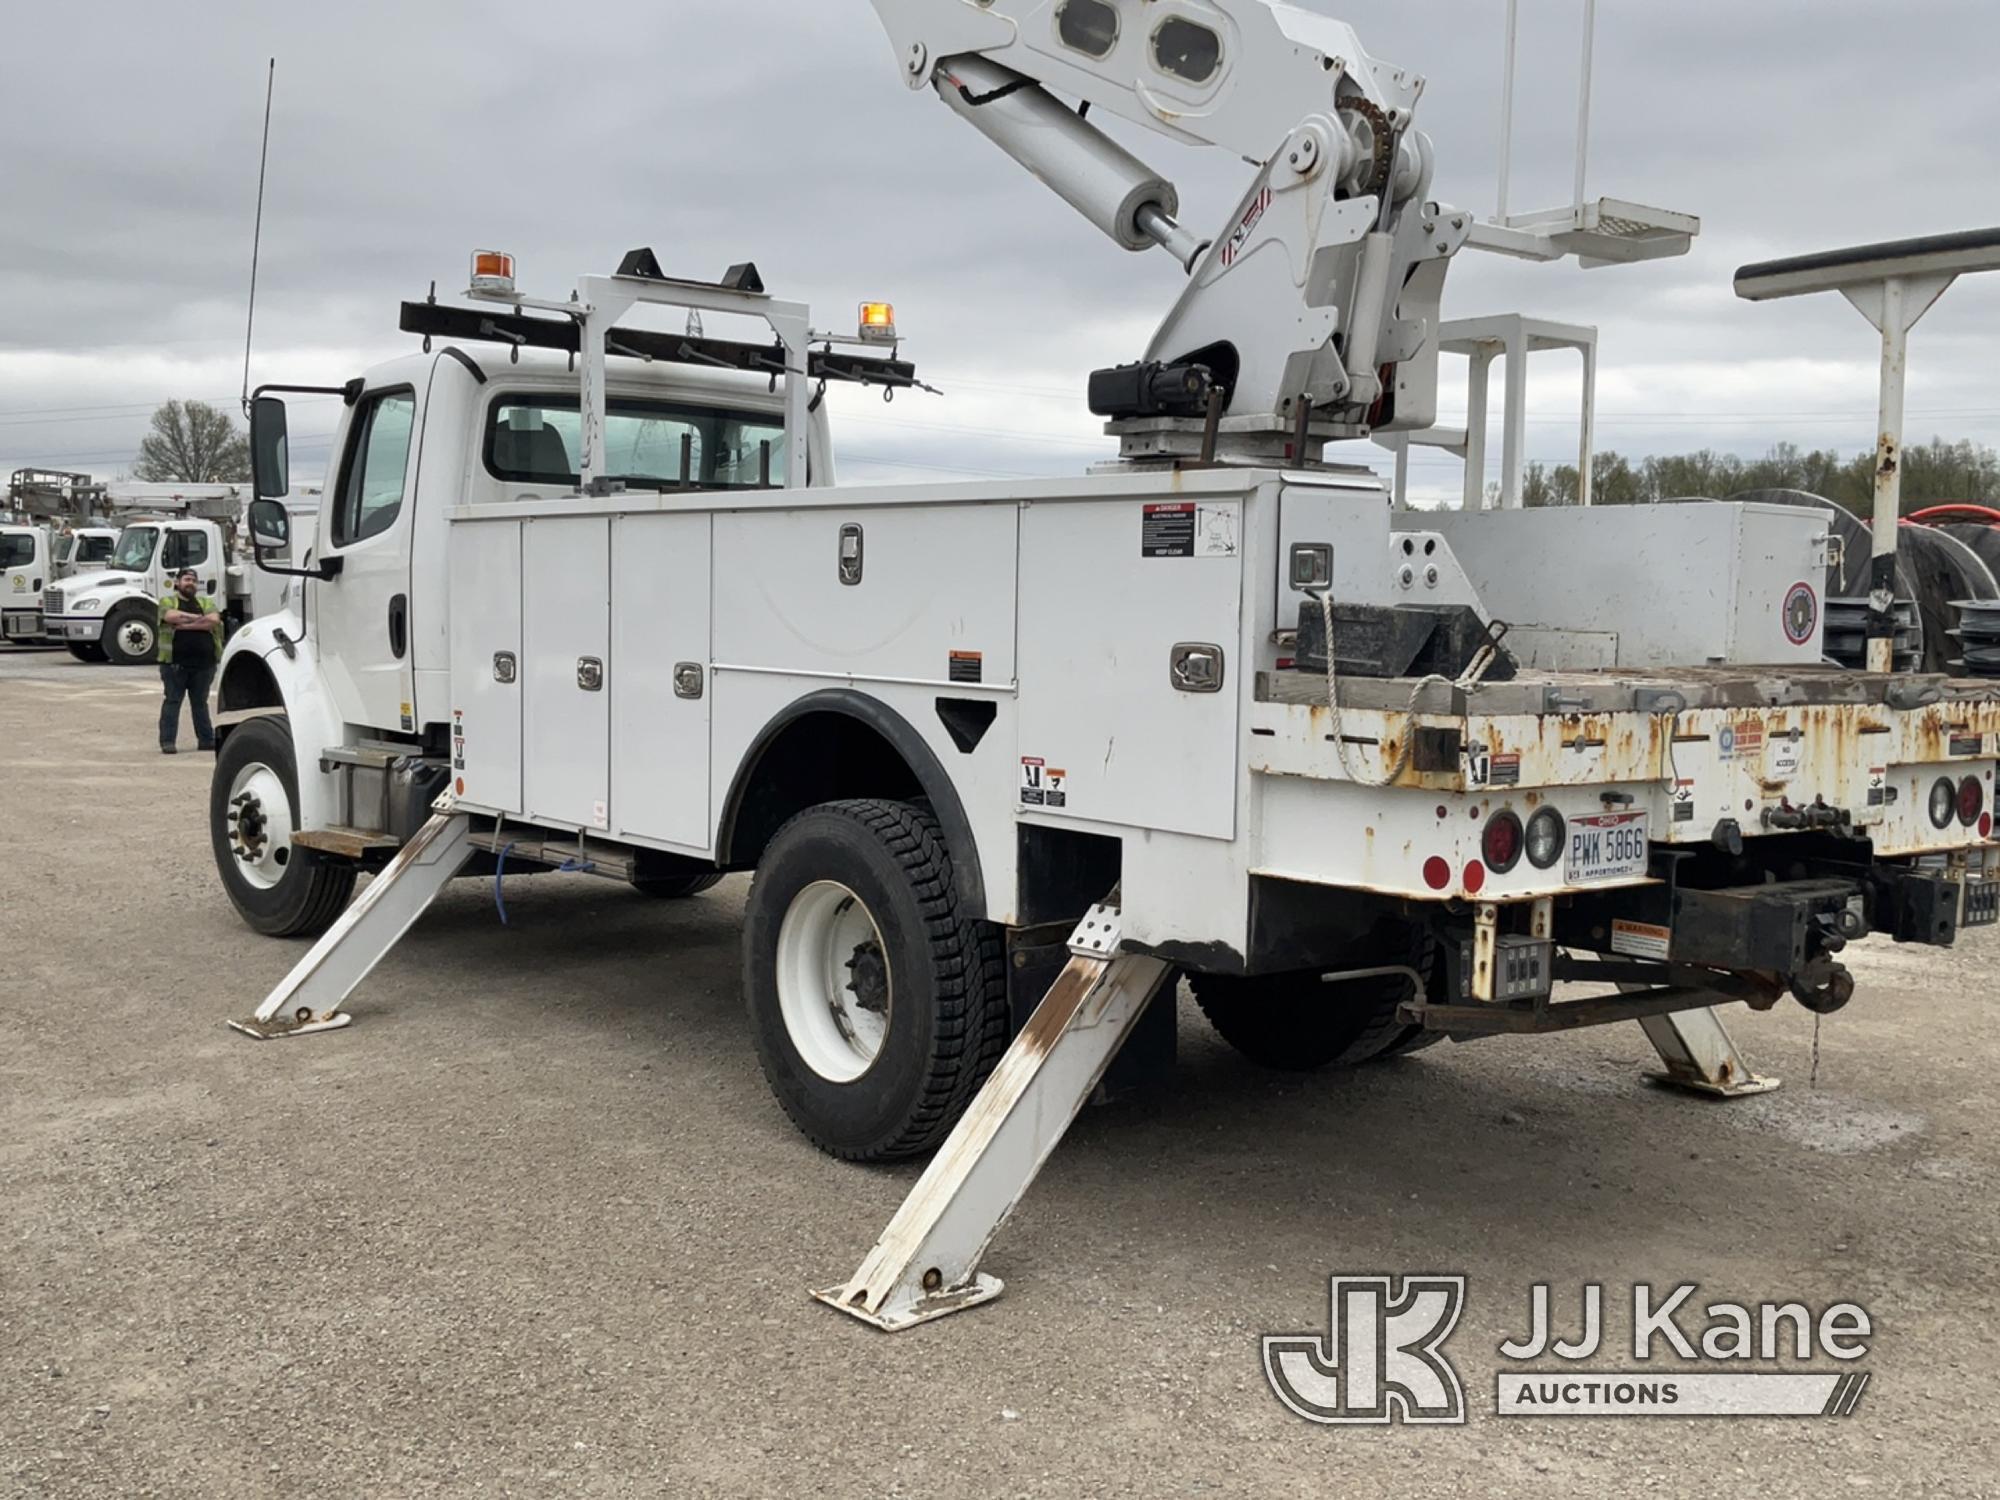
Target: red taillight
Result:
[[1501, 842], [1437, 874], [1475, 877], [1971, 800], [1986, 825]]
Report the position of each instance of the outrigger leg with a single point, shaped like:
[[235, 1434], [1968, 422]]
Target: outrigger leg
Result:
[[926, 1262], [1700, 1054], [309, 998]]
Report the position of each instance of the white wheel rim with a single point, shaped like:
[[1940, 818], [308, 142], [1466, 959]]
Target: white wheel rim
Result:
[[136, 638], [259, 818], [835, 991]]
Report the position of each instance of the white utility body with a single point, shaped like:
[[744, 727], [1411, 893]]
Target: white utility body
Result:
[[1007, 756]]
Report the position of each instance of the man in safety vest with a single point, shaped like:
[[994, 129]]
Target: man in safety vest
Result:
[[190, 646]]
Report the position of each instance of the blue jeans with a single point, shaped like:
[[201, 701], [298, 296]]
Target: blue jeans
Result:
[[190, 683]]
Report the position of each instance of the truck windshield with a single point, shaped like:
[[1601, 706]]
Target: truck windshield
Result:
[[135, 548], [534, 440], [17, 549]]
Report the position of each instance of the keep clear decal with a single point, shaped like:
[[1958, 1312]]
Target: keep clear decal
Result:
[[1189, 528], [1042, 785]]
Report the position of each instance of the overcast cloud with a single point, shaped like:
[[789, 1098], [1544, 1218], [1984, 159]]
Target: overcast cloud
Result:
[[779, 131]]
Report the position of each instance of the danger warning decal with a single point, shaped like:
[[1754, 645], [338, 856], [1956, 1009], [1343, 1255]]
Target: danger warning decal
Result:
[[1042, 785], [1184, 528]]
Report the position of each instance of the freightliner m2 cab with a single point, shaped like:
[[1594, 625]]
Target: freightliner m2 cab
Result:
[[1005, 757]]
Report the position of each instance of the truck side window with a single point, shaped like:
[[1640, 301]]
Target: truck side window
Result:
[[17, 550], [184, 549], [536, 439], [378, 457]]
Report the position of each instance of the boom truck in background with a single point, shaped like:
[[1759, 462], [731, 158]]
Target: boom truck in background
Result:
[[45, 535], [1006, 757], [112, 614]]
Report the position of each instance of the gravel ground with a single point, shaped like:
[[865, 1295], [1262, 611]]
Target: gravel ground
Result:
[[533, 1226]]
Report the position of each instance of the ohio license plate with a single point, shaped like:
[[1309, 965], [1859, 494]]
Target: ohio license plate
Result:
[[1606, 846]]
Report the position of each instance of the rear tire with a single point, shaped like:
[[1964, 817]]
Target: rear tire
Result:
[[1299, 1022], [131, 636], [87, 652], [278, 888], [878, 1006], [674, 887]]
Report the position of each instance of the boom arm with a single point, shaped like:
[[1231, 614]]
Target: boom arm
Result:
[[1315, 309]]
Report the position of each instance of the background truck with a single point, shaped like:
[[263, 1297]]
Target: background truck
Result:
[[112, 614], [26, 565], [1006, 757]]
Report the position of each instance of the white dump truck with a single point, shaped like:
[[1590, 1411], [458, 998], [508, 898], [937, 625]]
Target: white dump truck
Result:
[[1006, 756]]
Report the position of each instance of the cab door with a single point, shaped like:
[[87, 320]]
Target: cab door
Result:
[[190, 547], [362, 614]]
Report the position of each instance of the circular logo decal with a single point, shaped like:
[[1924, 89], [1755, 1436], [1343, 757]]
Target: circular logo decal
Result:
[[1800, 614]]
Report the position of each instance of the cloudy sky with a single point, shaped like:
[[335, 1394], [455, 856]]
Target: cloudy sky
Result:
[[778, 130]]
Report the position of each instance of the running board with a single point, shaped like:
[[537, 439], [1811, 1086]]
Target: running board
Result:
[[309, 998], [926, 1264]]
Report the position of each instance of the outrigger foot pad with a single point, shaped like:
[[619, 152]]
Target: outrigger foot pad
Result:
[[982, 1288], [280, 1027]]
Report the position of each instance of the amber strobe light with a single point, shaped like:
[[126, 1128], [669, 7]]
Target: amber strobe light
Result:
[[492, 272], [878, 322]]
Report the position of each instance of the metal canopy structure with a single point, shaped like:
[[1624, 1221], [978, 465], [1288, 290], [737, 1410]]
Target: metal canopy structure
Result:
[[1481, 341], [1892, 284]]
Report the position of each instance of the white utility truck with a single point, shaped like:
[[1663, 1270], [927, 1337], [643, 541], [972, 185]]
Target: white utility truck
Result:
[[1007, 756], [32, 557], [84, 549], [27, 562], [112, 614]]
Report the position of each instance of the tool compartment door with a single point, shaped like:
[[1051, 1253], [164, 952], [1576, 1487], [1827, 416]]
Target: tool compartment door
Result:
[[659, 735], [1104, 729], [485, 562], [566, 587]]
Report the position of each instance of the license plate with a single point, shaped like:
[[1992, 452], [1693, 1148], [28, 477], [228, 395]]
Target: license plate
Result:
[[1606, 846]]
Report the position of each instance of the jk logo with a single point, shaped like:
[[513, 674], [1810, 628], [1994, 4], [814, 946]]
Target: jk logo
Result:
[[1381, 1361]]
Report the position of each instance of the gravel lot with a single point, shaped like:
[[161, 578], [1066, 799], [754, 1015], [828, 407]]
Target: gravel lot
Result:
[[533, 1226]]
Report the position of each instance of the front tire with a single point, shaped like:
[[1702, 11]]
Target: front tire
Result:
[[878, 1006], [87, 651], [278, 888], [1300, 1022], [131, 636]]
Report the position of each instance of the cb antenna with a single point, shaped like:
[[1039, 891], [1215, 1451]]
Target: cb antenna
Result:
[[257, 233]]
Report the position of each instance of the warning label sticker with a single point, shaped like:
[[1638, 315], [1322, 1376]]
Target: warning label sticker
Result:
[[458, 739], [1782, 760], [1187, 528], [1042, 785], [1489, 769], [1641, 939]]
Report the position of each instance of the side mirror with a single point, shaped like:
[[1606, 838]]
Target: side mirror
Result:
[[270, 522], [270, 448]]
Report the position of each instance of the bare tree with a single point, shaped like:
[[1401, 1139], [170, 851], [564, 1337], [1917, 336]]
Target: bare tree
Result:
[[192, 443]]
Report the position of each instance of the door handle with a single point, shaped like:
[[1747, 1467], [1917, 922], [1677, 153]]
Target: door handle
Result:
[[399, 625]]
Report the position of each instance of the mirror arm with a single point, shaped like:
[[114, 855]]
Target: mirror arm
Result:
[[327, 569]]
